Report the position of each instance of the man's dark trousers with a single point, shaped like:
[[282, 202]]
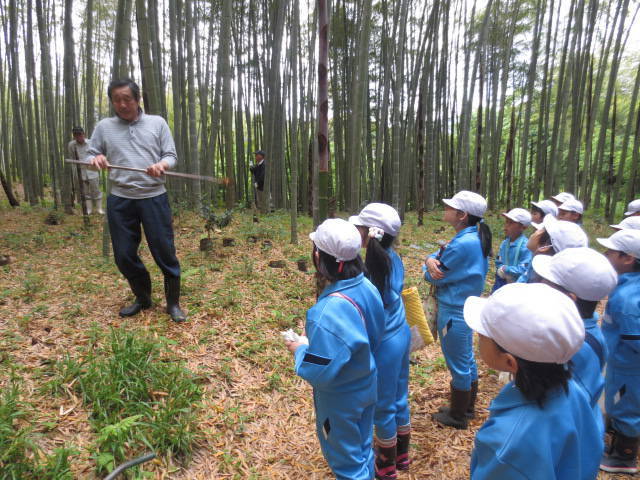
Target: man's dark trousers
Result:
[[125, 217]]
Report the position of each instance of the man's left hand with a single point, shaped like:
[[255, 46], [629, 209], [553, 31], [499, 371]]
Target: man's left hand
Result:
[[158, 169]]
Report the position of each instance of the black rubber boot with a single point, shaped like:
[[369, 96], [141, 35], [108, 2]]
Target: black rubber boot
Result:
[[386, 461], [471, 409], [402, 453], [621, 455], [141, 288], [172, 294], [456, 415]]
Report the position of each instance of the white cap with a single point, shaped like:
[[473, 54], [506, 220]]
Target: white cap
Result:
[[378, 215], [563, 234], [338, 238], [572, 205], [519, 215], [582, 271], [627, 241], [532, 321], [469, 202], [547, 206], [563, 197], [629, 223], [633, 207]]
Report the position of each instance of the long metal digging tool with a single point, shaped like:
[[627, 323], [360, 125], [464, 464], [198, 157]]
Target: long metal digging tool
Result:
[[204, 178]]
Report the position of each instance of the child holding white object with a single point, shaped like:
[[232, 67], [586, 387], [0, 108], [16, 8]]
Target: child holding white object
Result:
[[541, 425], [338, 361]]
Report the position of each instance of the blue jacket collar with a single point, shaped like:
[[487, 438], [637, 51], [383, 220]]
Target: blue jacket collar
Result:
[[464, 231], [628, 277], [516, 240], [341, 285], [511, 397]]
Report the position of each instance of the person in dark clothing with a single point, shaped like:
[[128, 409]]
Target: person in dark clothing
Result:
[[132, 138], [258, 170]]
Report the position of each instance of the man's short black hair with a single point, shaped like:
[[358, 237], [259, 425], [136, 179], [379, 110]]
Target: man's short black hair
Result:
[[259, 152], [124, 82], [77, 129]]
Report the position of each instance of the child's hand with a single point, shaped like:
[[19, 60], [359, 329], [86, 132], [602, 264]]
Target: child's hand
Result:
[[292, 346], [433, 268]]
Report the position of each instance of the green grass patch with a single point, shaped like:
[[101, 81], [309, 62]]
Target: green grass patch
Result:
[[20, 456], [141, 398]]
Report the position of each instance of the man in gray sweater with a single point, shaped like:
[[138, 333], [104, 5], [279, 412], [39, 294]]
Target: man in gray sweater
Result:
[[132, 138]]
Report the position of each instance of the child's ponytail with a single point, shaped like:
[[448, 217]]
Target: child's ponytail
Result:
[[484, 232], [378, 262]]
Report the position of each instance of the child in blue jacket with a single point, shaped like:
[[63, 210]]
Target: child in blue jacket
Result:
[[338, 361], [587, 277], [621, 330], [379, 225], [541, 425], [458, 271], [514, 257]]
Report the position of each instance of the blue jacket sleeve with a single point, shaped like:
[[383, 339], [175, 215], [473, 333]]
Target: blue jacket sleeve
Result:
[[629, 331], [320, 362], [452, 259]]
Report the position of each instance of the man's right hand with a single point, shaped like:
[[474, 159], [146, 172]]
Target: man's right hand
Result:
[[100, 162]]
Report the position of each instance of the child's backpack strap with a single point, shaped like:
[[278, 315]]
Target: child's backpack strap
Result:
[[518, 248], [596, 347], [352, 302]]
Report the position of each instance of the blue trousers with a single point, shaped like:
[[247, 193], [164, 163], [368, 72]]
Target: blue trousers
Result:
[[344, 425], [622, 401], [456, 340], [392, 360], [126, 216]]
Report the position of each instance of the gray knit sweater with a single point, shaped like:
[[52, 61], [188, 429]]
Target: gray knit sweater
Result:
[[137, 144]]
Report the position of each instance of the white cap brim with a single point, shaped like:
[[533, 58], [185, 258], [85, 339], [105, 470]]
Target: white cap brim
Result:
[[312, 236], [537, 226], [449, 203], [618, 226], [473, 307], [606, 243], [630, 213], [356, 220], [542, 266]]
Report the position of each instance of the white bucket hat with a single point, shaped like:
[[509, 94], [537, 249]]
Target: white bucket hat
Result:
[[338, 238], [469, 202], [572, 205], [582, 271], [563, 197], [627, 241], [633, 207], [547, 206], [563, 234], [519, 215], [378, 215], [532, 321], [629, 223]]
